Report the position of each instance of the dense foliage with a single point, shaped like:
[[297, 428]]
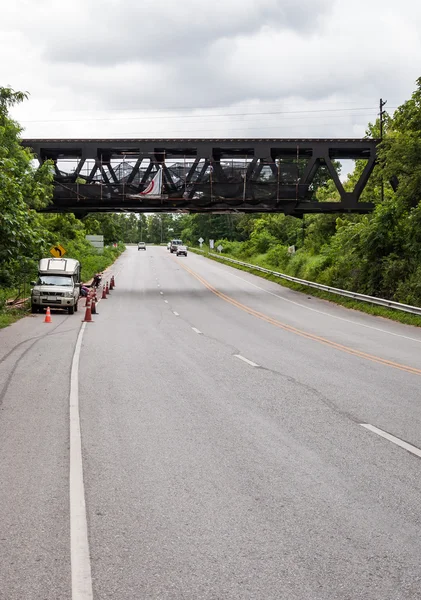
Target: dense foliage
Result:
[[25, 234], [377, 254]]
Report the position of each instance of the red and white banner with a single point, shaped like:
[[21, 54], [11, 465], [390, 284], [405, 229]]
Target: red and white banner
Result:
[[154, 189]]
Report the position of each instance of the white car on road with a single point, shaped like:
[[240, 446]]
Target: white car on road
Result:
[[181, 250]]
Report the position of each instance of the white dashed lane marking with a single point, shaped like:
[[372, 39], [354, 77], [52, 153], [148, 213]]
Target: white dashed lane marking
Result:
[[246, 360], [393, 439]]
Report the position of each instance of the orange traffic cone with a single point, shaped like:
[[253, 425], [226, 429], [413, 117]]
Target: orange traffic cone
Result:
[[88, 315], [104, 293], [107, 289], [113, 280], [47, 316], [93, 306]]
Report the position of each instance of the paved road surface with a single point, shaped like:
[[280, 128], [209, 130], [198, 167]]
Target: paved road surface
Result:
[[223, 450]]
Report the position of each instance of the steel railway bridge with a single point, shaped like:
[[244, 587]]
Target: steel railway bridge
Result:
[[203, 175]]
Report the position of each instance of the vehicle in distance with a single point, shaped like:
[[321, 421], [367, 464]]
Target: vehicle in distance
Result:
[[181, 250], [141, 246], [58, 285], [174, 245]]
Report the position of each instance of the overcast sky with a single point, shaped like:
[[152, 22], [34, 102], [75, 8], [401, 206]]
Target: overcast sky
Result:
[[212, 68]]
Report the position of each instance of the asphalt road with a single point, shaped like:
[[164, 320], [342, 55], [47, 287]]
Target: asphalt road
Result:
[[222, 439]]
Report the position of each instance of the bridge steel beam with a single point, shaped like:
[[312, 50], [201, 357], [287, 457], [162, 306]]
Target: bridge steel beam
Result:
[[203, 175]]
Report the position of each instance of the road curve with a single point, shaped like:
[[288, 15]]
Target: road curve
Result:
[[239, 441]]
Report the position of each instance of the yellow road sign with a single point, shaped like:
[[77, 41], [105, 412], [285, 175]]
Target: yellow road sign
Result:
[[58, 251]]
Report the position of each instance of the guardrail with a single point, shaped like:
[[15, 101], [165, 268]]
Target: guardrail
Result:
[[415, 310]]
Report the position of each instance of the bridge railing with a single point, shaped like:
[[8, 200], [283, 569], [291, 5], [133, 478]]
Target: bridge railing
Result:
[[415, 310]]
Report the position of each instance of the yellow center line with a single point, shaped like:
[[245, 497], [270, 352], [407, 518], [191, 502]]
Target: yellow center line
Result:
[[300, 332]]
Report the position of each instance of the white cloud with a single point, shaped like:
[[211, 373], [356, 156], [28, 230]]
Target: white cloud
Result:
[[110, 68]]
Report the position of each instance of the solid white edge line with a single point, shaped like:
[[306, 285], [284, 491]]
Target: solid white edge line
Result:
[[79, 543], [246, 360], [321, 312], [176, 313], [393, 439], [196, 330]]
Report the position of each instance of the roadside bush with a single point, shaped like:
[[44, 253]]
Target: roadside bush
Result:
[[409, 290], [232, 248], [261, 241], [314, 267], [278, 257], [297, 263]]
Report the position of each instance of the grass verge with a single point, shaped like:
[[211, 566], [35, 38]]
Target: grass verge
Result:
[[9, 316], [371, 309]]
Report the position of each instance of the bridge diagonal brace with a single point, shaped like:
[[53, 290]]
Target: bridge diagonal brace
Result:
[[365, 176], [112, 172], [334, 174], [307, 177], [105, 178], [79, 168], [103, 173], [135, 171], [199, 178], [92, 174], [250, 168], [146, 174], [310, 171], [256, 173], [192, 170], [218, 173], [168, 179]]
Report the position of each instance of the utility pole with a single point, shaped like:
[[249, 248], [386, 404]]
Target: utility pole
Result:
[[382, 104]]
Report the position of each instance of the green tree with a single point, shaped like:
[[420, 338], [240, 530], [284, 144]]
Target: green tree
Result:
[[22, 190]]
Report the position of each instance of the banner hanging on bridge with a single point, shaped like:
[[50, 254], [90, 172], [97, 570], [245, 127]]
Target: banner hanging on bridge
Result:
[[153, 190]]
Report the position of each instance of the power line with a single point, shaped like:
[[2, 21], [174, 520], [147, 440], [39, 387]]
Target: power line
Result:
[[193, 108], [249, 114], [201, 132]]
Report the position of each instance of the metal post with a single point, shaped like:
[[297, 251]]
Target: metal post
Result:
[[245, 177], [382, 103]]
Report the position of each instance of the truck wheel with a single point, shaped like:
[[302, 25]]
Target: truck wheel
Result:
[[71, 310], [76, 306], [34, 309]]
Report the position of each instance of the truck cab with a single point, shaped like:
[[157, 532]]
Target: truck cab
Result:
[[57, 286], [174, 245]]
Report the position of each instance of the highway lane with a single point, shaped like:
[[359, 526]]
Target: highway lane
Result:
[[206, 476], [370, 392]]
